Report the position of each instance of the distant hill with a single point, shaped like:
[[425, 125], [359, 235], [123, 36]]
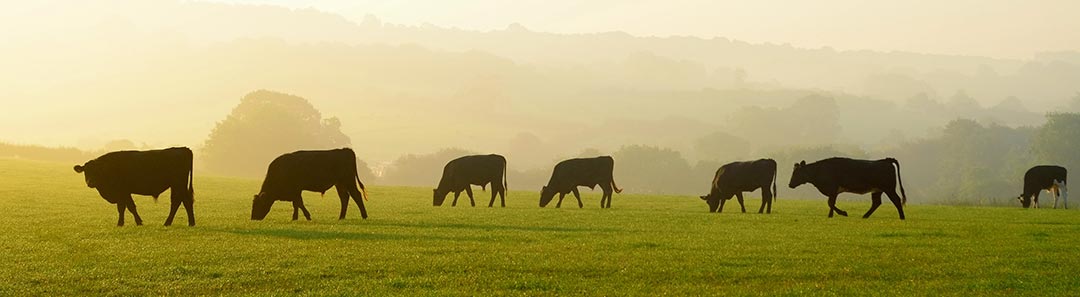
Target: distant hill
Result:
[[163, 72]]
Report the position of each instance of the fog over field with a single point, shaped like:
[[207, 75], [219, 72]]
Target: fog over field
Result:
[[690, 83]]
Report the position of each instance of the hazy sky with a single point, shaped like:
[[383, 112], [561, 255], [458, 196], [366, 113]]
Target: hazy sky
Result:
[[997, 28]]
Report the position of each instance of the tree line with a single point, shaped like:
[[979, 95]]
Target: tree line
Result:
[[965, 162]]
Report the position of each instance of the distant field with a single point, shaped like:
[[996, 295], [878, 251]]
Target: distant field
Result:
[[59, 238]]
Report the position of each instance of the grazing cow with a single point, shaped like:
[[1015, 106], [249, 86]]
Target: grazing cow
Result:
[[1045, 177], [461, 173], [738, 177], [118, 175], [586, 172], [833, 176], [316, 171]]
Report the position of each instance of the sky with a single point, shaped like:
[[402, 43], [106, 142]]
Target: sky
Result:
[[993, 28]]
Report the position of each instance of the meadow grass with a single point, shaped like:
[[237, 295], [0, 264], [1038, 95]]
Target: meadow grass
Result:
[[59, 238]]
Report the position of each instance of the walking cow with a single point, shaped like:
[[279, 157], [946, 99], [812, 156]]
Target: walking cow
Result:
[[842, 175], [118, 175], [1045, 177], [461, 173], [587, 172], [738, 177], [316, 171]]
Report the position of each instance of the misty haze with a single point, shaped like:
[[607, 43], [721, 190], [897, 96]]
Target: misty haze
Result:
[[961, 99]]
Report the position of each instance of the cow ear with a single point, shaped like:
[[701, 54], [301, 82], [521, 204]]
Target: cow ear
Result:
[[803, 163], [79, 168]]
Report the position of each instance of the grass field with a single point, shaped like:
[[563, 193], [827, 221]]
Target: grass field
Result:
[[59, 238]]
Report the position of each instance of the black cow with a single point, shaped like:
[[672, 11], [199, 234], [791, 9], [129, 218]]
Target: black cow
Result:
[[118, 175], [833, 176], [573, 173], [1044, 177], [461, 173], [738, 177], [316, 171]]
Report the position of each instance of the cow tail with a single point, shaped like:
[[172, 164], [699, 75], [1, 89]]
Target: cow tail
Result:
[[504, 177], [774, 192], [191, 184], [903, 200], [616, 187], [362, 189]]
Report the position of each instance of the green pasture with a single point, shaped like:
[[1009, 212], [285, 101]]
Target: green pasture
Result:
[[58, 237]]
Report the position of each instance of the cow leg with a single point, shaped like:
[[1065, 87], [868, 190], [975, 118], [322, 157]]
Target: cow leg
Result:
[[120, 207], [1057, 193], [456, 195], [578, 196], [344, 196], [895, 198], [766, 199], [607, 195], [131, 207], [299, 203], [875, 201], [721, 208], [561, 196], [738, 195], [359, 199], [833, 208], [502, 195], [468, 191], [174, 204], [189, 206], [1064, 195], [494, 192], [295, 212], [1035, 200]]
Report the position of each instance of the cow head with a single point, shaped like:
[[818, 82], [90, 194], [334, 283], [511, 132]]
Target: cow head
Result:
[[714, 200], [90, 173], [438, 197], [1024, 201], [260, 206], [798, 175], [545, 196]]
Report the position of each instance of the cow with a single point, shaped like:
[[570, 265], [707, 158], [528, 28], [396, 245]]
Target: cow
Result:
[[573, 173], [1044, 177], [738, 177], [833, 176], [317, 171], [118, 175], [461, 173]]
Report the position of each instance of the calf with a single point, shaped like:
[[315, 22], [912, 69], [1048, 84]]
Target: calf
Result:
[[842, 175], [738, 177], [587, 172], [1044, 177], [118, 175], [316, 171], [461, 173]]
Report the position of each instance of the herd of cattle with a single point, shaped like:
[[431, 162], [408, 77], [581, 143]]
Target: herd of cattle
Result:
[[118, 175]]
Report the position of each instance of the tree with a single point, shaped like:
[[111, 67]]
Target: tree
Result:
[[722, 146], [119, 145], [265, 125], [652, 169], [421, 170], [1056, 142]]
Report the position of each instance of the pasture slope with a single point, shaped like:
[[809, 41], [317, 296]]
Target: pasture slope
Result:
[[58, 238]]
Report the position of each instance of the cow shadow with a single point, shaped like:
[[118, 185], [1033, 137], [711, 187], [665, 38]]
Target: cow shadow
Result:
[[337, 235], [494, 227]]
